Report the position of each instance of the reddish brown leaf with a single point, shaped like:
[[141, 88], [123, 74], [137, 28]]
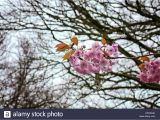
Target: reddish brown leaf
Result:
[[62, 47], [68, 54], [144, 58], [141, 66], [74, 40], [103, 41]]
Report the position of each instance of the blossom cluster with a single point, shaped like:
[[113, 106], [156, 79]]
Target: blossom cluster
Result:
[[151, 72], [93, 60]]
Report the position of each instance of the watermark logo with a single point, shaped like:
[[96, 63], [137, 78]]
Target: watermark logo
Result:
[[7, 114]]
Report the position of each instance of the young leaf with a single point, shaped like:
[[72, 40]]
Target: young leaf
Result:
[[144, 58], [103, 41], [74, 40], [68, 54], [62, 47], [141, 66]]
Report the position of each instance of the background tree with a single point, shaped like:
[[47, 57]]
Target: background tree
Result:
[[135, 26]]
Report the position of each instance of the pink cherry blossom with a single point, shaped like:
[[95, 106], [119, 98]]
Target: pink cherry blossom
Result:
[[151, 72], [96, 46], [78, 53], [95, 60], [91, 54], [92, 60], [113, 49], [87, 56], [73, 59], [103, 62], [83, 64]]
